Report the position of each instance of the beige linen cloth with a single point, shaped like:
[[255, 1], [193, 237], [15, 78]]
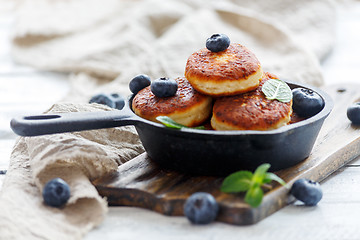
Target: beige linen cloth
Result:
[[106, 43]]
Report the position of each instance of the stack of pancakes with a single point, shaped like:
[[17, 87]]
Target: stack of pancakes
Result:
[[224, 86]]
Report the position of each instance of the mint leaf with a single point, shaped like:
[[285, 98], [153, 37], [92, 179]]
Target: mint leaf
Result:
[[254, 196], [237, 182], [277, 89], [168, 122], [260, 172], [251, 183], [273, 177]]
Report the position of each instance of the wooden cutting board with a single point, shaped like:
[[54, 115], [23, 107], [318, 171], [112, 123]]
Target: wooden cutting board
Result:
[[141, 183]]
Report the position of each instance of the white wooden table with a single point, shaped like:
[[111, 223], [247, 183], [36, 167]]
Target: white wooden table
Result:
[[26, 91]]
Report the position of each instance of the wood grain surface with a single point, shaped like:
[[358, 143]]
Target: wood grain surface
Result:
[[141, 183]]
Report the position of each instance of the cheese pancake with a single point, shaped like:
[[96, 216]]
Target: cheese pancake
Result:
[[187, 107], [229, 72], [250, 111]]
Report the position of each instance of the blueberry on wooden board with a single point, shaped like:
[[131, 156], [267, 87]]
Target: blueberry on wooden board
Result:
[[353, 113], [201, 208], [306, 103], [307, 191], [164, 87], [139, 82], [217, 42], [56, 192]]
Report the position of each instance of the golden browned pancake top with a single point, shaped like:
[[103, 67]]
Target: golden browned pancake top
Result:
[[148, 105], [251, 110], [234, 63]]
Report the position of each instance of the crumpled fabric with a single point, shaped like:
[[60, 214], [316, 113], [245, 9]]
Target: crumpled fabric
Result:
[[121, 39], [76, 157]]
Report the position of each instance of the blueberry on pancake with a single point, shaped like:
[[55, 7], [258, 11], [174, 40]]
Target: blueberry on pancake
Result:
[[217, 42]]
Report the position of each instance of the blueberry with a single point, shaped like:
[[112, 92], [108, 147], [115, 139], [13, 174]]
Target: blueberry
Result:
[[164, 87], [56, 192], [104, 99], [353, 113], [201, 208], [306, 103], [139, 82], [112, 100], [217, 42], [119, 101], [307, 191]]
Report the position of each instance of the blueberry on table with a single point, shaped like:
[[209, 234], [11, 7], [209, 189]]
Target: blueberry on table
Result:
[[201, 208], [353, 113], [139, 82], [56, 192], [307, 191], [217, 42], [118, 100], [164, 87], [111, 100], [104, 99], [306, 103]]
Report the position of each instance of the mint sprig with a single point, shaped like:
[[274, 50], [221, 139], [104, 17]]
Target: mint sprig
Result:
[[251, 183], [277, 89], [168, 122]]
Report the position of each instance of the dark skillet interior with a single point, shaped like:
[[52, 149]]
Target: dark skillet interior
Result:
[[210, 152]]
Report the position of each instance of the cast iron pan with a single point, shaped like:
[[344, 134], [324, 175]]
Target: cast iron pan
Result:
[[192, 151]]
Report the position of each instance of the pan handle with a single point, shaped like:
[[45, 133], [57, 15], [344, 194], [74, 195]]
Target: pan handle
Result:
[[69, 122]]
